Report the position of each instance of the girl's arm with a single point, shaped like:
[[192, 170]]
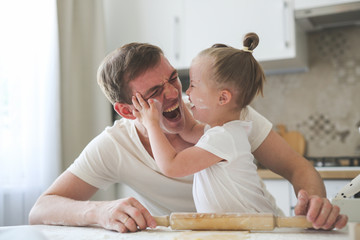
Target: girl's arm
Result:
[[170, 162]]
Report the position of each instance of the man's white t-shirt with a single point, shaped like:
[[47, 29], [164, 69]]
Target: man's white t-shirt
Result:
[[117, 156], [231, 185]]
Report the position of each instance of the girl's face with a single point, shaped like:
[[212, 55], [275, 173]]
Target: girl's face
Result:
[[202, 91]]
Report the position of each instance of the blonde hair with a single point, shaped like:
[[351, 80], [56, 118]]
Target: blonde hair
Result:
[[238, 69], [123, 65]]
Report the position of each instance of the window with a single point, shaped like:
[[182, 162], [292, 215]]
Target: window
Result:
[[29, 106]]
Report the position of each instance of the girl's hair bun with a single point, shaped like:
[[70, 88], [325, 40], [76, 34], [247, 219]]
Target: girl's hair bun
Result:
[[251, 40]]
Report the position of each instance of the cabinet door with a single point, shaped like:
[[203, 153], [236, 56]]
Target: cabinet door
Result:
[[157, 22], [280, 190], [227, 21]]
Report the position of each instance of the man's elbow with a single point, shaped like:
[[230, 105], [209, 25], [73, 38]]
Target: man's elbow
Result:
[[35, 213], [33, 216]]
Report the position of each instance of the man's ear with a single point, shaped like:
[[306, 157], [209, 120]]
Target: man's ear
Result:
[[224, 97], [124, 110]]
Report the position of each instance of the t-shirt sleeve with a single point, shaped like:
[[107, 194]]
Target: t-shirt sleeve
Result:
[[260, 129], [94, 164], [222, 144]]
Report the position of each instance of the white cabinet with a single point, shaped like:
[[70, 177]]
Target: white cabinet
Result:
[[158, 22], [227, 21], [280, 190], [182, 28]]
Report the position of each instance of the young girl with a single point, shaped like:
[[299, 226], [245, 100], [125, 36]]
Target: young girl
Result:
[[223, 82]]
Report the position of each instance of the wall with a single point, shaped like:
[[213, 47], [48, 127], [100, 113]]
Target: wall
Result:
[[323, 103]]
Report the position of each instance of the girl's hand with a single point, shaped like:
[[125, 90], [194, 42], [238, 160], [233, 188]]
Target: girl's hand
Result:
[[145, 112]]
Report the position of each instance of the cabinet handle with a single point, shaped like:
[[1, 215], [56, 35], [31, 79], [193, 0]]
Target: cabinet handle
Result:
[[286, 21], [177, 37]]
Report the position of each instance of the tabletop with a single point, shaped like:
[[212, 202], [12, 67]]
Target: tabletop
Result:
[[46, 232]]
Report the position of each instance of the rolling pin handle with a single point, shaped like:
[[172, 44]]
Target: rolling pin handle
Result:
[[293, 222], [162, 221]]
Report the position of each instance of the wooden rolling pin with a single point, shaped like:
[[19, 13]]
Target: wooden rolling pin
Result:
[[230, 221]]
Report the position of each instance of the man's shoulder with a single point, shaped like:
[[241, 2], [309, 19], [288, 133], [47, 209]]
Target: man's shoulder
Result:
[[122, 131], [120, 126], [121, 135]]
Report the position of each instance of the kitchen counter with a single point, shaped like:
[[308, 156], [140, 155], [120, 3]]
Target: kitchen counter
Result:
[[45, 232], [325, 173]]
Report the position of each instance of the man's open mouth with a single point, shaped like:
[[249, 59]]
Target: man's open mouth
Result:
[[172, 113]]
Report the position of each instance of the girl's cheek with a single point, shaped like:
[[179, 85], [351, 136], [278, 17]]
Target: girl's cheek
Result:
[[200, 104]]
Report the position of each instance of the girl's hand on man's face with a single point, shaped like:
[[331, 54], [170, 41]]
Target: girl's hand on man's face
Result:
[[145, 112]]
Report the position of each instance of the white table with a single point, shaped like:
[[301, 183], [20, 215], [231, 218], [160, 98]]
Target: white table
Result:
[[45, 232]]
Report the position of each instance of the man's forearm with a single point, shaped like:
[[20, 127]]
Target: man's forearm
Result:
[[309, 179], [57, 210]]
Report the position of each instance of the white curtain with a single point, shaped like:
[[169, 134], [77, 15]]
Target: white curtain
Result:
[[49, 54], [29, 105], [84, 108]]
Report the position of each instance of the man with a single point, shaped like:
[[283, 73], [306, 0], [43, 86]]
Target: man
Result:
[[122, 153]]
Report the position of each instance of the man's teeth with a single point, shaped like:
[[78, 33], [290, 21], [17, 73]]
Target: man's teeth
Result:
[[172, 108]]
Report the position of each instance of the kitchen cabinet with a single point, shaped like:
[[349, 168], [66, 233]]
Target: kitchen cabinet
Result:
[[282, 45], [182, 28], [280, 190], [157, 22]]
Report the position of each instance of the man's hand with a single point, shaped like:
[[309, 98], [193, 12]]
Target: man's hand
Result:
[[124, 215], [319, 211], [64, 205]]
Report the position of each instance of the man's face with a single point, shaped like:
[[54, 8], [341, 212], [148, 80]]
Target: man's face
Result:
[[162, 84]]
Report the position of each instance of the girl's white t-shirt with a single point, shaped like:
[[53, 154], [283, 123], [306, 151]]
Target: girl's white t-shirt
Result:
[[232, 185]]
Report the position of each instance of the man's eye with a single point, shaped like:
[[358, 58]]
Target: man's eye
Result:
[[174, 79], [155, 93]]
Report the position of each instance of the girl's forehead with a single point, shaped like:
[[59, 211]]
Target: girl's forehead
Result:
[[201, 64], [203, 59]]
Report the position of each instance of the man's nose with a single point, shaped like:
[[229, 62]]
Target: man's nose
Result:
[[170, 90]]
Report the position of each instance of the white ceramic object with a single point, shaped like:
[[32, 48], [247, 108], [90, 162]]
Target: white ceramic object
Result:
[[349, 189], [349, 207]]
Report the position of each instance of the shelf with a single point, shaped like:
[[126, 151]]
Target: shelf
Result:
[[325, 173]]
